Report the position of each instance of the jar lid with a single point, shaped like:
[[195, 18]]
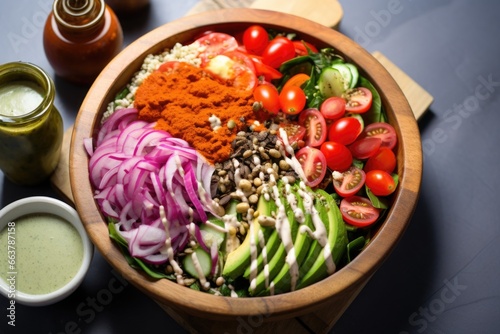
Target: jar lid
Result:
[[78, 14]]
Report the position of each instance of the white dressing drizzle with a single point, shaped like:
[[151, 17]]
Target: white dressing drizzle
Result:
[[167, 248], [199, 271]]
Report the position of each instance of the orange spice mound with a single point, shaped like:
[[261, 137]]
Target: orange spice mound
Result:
[[183, 99]]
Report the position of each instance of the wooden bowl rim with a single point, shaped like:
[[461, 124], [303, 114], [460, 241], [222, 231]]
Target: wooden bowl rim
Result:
[[175, 296]]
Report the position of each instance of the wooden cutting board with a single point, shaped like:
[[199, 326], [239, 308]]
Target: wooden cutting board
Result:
[[326, 12]]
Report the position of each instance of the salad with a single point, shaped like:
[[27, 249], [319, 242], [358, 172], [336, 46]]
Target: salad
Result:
[[309, 172]]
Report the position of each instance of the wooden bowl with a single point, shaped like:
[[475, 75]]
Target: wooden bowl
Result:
[[316, 307]]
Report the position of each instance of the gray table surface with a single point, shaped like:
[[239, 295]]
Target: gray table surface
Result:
[[444, 275]]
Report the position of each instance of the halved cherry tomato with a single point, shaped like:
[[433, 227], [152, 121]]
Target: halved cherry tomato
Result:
[[313, 164], [229, 67], [315, 126], [364, 148], [358, 100], [296, 80], [279, 50], [338, 157], [268, 95], [333, 107], [301, 50], [381, 130], [292, 100], [263, 70], [345, 130], [216, 43], [358, 211], [384, 159], [255, 39], [380, 182], [294, 132], [350, 183]]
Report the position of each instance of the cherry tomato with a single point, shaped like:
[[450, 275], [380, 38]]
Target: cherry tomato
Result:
[[279, 50], [350, 183], [263, 70], [315, 126], [292, 100], [358, 211], [301, 49], [338, 157], [384, 159], [358, 100], [294, 132], [333, 107], [380, 182], [296, 80], [255, 39], [313, 164], [216, 43], [230, 67], [268, 95], [381, 130], [345, 130], [365, 148]]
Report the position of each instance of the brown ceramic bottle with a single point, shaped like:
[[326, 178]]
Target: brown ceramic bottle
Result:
[[80, 38]]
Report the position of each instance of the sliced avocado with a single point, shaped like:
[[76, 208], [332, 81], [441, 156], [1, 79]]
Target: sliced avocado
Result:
[[240, 258], [337, 241], [272, 244], [286, 279], [276, 263]]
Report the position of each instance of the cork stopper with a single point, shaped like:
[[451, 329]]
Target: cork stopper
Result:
[[78, 14]]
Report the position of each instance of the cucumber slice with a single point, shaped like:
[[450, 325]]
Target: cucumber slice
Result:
[[346, 73], [213, 232], [354, 74], [331, 83], [198, 263], [358, 117]]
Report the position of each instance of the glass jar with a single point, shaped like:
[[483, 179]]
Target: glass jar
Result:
[[31, 128], [80, 38], [127, 6]]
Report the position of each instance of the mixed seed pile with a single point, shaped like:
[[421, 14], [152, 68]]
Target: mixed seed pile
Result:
[[256, 157]]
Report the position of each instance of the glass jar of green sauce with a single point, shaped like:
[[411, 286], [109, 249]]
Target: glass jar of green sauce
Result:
[[31, 128]]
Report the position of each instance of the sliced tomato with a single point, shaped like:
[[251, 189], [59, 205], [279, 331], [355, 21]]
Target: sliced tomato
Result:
[[241, 58], [302, 46], [315, 125], [268, 96], [358, 211], [333, 108], [279, 50], [381, 130], [169, 66], [292, 100], [380, 182], [365, 148], [384, 159], [350, 181], [338, 157], [345, 130], [230, 67], [313, 164], [294, 132], [263, 70], [255, 39], [358, 100], [215, 43]]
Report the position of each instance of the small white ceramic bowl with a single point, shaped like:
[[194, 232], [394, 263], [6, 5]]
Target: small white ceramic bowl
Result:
[[47, 205]]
